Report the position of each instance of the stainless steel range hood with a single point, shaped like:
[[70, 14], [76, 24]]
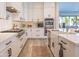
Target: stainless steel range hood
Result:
[[11, 9]]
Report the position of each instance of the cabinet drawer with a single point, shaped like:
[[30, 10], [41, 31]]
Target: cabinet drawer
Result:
[[6, 43], [69, 47], [4, 53], [15, 49]]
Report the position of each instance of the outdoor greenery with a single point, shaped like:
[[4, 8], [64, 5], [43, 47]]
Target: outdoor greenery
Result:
[[70, 20]]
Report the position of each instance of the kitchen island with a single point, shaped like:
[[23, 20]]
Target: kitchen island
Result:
[[74, 38], [65, 43]]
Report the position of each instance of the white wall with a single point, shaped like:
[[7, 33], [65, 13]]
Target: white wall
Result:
[[5, 25], [3, 10]]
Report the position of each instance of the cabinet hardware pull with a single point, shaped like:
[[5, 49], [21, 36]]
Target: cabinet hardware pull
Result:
[[62, 46], [8, 42], [9, 52], [63, 42], [53, 44]]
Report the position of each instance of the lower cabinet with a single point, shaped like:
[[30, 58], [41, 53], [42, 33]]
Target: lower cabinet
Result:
[[70, 49], [54, 43], [62, 47], [13, 47], [35, 33], [4, 53], [18, 45]]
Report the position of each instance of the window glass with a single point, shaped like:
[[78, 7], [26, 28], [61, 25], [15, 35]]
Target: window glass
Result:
[[69, 21]]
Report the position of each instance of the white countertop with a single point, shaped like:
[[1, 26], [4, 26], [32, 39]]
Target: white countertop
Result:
[[5, 36], [71, 37]]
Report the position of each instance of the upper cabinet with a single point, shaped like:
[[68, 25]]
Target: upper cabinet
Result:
[[2, 10], [38, 11], [34, 11], [14, 10], [51, 10]]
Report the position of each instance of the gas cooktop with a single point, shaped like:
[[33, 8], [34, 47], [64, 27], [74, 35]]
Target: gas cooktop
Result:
[[12, 30]]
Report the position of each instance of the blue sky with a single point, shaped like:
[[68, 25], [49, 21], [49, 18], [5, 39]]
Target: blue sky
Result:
[[69, 8]]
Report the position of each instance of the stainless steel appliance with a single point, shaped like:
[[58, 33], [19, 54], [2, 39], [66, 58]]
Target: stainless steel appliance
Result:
[[48, 24]]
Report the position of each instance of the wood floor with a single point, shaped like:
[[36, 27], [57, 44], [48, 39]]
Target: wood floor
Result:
[[35, 48]]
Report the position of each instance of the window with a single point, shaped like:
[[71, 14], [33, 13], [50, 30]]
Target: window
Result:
[[69, 21]]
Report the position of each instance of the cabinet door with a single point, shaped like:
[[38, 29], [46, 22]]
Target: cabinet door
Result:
[[38, 14], [57, 47], [15, 48], [54, 43], [33, 11], [23, 39], [69, 47], [49, 10], [29, 32], [3, 10], [4, 53]]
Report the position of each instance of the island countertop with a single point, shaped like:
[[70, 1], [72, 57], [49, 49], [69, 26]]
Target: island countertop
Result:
[[74, 38], [5, 36]]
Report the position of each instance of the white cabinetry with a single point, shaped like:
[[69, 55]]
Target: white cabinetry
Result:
[[35, 32], [38, 11], [4, 53], [6, 48], [71, 49], [2, 10], [54, 42], [63, 44], [12, 46], [33, 11], [18, 45], [51, 10]]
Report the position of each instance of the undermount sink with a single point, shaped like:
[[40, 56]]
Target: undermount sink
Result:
[[68, 32], [12, 31]]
